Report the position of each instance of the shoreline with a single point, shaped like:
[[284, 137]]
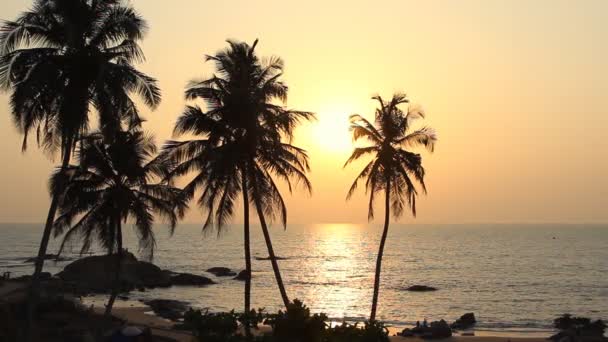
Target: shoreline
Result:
[[141, 316]]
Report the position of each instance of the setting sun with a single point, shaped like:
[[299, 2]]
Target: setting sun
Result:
[[330, 132]]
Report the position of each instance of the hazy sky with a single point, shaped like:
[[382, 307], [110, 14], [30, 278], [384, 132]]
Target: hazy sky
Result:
[[516, 89]]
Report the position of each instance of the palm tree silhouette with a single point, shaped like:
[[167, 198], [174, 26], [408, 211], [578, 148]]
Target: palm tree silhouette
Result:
[[241, 146], [393, 169], [62, 58], [113, 182]]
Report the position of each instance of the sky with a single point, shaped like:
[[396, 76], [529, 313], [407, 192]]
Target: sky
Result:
[[516, 90]]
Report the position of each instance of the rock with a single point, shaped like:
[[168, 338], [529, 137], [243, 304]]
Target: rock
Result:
[[97, 273], [187, 279], [439, 329], [465, 321], [421, 288], [167, 308], [221, 272], [243, 275], [435, 330]]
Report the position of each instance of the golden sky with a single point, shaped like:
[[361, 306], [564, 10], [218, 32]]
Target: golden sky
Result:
[[516, 89]]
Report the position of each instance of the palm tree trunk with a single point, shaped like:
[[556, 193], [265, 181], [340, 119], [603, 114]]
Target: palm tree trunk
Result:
[[246, 240], [116, 288], [271, 255], [372, 316], [34, 290]]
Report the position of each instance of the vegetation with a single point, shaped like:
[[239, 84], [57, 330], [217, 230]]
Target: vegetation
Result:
[[240, 146], [295, 324], [113, 182], [69, 65], [393, 169], [59, 60]]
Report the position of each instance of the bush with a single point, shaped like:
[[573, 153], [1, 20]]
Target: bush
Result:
[[211, 327], [371, 332], [297, 325]]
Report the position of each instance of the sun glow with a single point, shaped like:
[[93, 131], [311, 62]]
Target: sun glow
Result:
[[330, 132]]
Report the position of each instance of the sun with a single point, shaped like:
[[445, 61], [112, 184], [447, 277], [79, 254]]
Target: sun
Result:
[[330, 132]]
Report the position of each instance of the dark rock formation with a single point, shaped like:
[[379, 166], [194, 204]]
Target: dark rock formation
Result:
[[221, 272], [243, 275], [435, 330], [421, 288], [97, 273], [187, 279], [167, 308], [465, 321]]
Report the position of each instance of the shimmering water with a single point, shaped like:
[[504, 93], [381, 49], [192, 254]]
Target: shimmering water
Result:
[[514, 277]]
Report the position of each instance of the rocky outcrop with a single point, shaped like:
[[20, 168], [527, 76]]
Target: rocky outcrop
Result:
[[97, 273], [243, 275], [187, 279], [465, 321], [420, 288], [167, 308], [435, 330], [221, 272]]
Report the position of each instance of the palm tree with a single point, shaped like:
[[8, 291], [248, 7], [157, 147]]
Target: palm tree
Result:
[[113, 182], [240, 146], [393, 169], [60, 60]]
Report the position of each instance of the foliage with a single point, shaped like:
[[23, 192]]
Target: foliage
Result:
[[580, 325], [111, 183], [61, 57], [392, 164], [296, 324], [373, 331], [212, 327]]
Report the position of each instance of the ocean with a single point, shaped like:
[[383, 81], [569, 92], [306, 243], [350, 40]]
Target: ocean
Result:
[[516, 278]]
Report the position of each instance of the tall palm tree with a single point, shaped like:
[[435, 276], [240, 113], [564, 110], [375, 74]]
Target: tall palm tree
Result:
[[60, 60], [111, 183], [392, 169], [242, 145]]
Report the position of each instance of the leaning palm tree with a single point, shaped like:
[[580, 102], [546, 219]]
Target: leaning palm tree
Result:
[[242, 145], [392, 169], [111, 183], [60, 60]]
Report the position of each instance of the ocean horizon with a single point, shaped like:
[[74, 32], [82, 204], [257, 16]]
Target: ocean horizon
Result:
[[516, 278]]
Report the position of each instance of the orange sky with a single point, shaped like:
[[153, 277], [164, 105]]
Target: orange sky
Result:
[[516, 90]]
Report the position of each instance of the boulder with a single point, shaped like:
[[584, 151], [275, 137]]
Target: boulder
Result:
[[465, 321], [97, 273], [435, 330], [167, 308], [221, 272], [243, 275], [420, 288], [187, 279]]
